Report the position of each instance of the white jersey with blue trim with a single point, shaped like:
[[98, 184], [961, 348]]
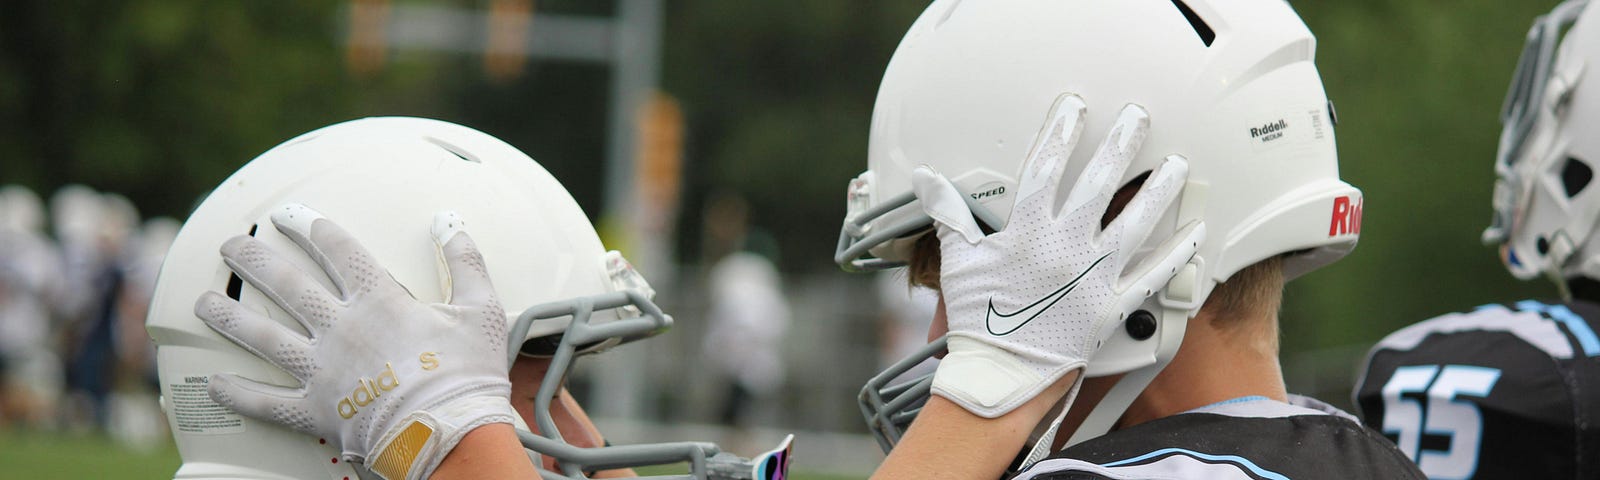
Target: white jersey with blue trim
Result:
[[1248, 438], [1503, 391]]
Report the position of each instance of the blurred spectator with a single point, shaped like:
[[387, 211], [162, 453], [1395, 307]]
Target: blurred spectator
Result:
[[75, 215], [136, 418], [748, 313], [142, 263], [30, 370], [748, 317], [82, 301], [94, 230]]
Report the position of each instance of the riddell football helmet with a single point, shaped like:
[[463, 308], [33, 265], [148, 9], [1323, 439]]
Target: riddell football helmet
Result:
[[1229, 84], [382, 179], [1544, 216]]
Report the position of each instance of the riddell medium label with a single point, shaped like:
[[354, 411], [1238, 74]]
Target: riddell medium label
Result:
[[195, 412], [1296, 126], [1269, 132]]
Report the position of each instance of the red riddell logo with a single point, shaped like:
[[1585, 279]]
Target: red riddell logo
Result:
[[1346, 217]]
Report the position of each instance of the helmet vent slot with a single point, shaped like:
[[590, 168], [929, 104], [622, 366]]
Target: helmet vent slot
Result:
[[948, 11], [459, 152], [1575, 175], [236, 284], [304, 139], [1207, 35]]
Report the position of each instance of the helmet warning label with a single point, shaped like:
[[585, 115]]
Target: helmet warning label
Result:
[[193, 411]]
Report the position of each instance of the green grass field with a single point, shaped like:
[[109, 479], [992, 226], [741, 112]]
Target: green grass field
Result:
[[37, 456], [59, 456]]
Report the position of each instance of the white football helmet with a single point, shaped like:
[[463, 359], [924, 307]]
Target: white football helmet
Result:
[[1544, 216], [1229, 84], [382, 179]]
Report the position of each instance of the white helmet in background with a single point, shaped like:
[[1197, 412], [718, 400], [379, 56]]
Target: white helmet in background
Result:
[[383, 179], [1229, 84], [1545, 216], [75, 214], [20, 210], [119, 224]]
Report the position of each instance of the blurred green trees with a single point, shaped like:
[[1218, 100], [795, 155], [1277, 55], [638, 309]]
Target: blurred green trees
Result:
[[161, 99], [1418, 85]]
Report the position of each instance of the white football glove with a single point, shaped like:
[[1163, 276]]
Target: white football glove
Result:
[[1034, 301], [394, 382]]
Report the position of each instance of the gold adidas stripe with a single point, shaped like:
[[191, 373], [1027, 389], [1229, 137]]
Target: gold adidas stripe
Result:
[[397, 458]]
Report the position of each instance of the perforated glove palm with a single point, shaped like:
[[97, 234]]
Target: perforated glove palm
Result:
[[394, 382], [1034, 301]]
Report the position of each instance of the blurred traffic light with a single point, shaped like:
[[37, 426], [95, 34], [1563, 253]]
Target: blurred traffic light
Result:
[[507, 48], [367, 44]]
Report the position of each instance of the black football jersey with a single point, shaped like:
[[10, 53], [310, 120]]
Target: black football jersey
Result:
[[1250, 438], [1503, 391]]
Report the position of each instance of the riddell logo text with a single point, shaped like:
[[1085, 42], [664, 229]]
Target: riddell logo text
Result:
[[1346, 217], [1270, 131]]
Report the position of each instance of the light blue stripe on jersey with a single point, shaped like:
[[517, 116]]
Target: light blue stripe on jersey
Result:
[[1231, 401], [1237, 460], [1575, 324]]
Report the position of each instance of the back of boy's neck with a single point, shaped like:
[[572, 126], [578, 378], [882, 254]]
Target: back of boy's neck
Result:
[[1214, 365]]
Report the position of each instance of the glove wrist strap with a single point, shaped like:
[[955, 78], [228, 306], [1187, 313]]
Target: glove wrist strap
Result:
[[418, 444], [987, 380]]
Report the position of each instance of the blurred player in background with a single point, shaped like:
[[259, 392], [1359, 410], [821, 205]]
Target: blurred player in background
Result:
[[76, 215], [748, 313], [85, 303], [135, 416], [142, 262], [30, 280], [748, 319], [1206, 177], [94, 229], [1513, 390]]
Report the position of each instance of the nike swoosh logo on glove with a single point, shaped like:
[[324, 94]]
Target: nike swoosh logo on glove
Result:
[[1001, 324]]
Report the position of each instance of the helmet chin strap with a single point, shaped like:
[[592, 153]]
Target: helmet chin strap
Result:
[[1176, 301], [1561, 250]]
